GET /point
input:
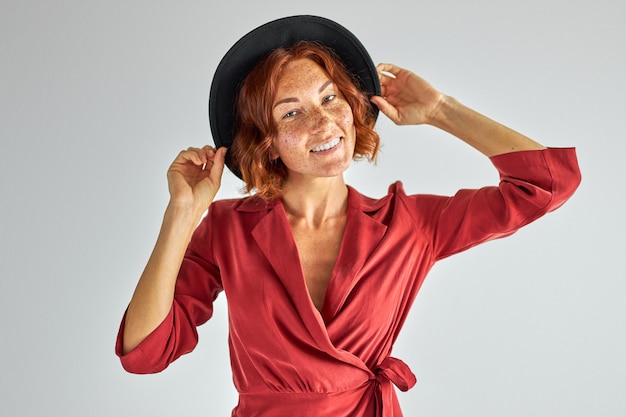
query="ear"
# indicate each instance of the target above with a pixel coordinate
(273, 154)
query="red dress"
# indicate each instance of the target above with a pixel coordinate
(290, 360)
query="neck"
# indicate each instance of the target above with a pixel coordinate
(315, 202)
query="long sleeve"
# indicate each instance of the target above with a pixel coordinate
(532, 183)
(197, 286)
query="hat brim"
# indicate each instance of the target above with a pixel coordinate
(254, 46)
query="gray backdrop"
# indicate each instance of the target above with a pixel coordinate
(96, 98)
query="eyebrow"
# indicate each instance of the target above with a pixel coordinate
(294, 100)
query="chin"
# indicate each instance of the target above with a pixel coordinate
(338, 170)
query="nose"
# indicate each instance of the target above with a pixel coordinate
(319, 119)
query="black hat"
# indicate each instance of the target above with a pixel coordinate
(249, 50)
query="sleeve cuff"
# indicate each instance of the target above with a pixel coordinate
(142, 359)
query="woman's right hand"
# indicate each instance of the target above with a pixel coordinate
(193, 180)
(195, 176)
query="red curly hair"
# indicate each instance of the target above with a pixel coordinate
(250, 151)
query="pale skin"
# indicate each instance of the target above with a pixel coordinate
(315, 194)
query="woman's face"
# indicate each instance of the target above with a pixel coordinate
(315, 127)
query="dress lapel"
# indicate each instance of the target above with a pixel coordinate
(361, 236)
(273, 235)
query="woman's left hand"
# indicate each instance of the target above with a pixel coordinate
(407, 99)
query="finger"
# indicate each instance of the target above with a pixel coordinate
(208, 153)
(194, 155)
(386, 81)
(387, 109)
(199, 156)
(217, 167)
(383, 90)
(209, 150)
(384, 75)
(387, 70)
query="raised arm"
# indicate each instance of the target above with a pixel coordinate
(193, 181)
(408, 99)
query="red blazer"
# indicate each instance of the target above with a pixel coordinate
(290, 360)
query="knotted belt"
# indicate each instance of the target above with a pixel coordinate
(391, 371)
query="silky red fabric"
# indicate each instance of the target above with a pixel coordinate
(290, 360)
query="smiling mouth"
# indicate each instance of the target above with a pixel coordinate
(327, 146)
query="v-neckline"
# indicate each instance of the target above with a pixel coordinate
(362, 234)
(298, 258)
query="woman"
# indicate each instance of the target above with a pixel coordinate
(319, 278)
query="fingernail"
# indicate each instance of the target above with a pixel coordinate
(388, 74)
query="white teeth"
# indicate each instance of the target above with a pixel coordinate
(327, 146)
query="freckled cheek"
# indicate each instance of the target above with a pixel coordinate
(343, 116)
(288, 133)
(286, 140)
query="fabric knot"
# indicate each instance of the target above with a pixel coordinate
(396, 371)
(391, 371)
